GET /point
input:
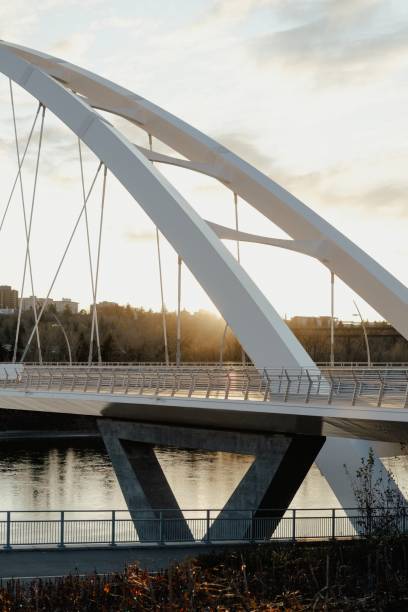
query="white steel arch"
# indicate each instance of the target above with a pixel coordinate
(267, 339)
(357, 269)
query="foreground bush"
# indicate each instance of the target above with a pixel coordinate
(338, 576)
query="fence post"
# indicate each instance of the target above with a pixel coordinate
(113, 535)
(252, 532)
(207, 537)
(62, 529)
(293, 525)
(161, 528)
(8, 531)
(333, 530)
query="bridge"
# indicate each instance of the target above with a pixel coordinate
(283, 410)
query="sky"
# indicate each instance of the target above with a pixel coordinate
(312, 92)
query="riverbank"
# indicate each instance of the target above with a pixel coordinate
(347, 576)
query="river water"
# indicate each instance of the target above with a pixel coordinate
(76, 474)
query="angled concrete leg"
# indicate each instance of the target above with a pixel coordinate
(280, 464)
(267, 488)
(145, 489)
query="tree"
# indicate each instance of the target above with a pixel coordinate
(381, 506)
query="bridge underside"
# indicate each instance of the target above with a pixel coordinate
(344, 421)
(280, 465)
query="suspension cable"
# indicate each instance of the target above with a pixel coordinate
(105, 172)
(178, 332)
(20, 167)
(224, 335)
(45, 303)
(34, 305)
(94, 323)
(243, 355)
(163, 306)
(28, 255)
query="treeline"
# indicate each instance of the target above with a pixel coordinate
(135, 334)
(126, 334)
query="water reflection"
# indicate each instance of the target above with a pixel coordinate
(77, 474)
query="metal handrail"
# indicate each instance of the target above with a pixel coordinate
(374, 386)
(62, 528)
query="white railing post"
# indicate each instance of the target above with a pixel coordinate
(294, 525)
(192, 385)
(248, 382)
(208, 535)
(381, 391)
(309, 387)
(288, 383)
(333, 524)
(209, 386)
(227, 385)
(267, 386)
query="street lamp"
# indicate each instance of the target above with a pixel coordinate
(60, 325)
(331, 318)
(365, 333)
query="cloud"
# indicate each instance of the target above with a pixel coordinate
(75, 47)
(345, 186)
(244, 146)
(336, 42)
(236, 9)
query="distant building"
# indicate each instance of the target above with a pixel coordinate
(8, 297)
(103, 305)
(64, 304)
(7, 311)
(60, 305)
(315, 322)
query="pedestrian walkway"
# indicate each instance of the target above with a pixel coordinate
(54, 562)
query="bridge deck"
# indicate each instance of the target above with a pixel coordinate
(356, 386)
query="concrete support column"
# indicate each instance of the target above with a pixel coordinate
(280, 464)
(145, 489)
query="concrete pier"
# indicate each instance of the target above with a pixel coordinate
(280, 464)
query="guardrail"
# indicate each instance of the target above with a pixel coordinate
(378, 387)
(211, 364)
(116, 527)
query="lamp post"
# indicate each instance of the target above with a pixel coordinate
(60, 325)
(331, 318)
(365, 334)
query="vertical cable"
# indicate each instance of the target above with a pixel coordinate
(224, 335)
(26, 228)
(163, 306)
(237, 225)
(45, 303)
(178, 332)
(94, 320)
(98, 258)
(243, 356)
(6, 208)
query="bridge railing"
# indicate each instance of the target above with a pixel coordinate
(375, 386)
(119, 527)
(212, 364)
